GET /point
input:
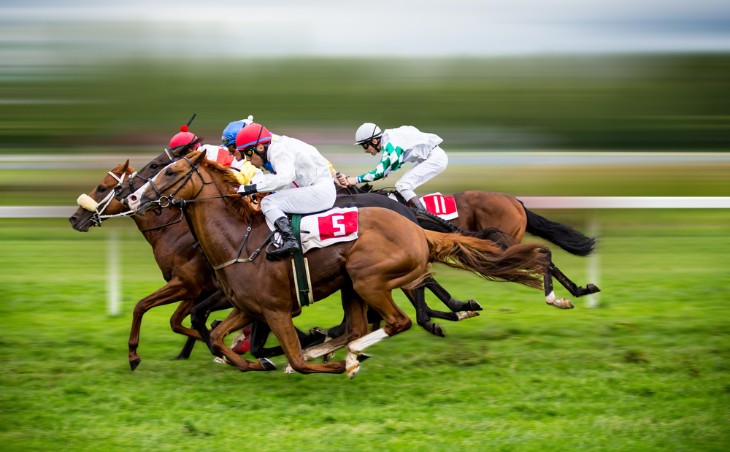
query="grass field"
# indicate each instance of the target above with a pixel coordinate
(645, 370)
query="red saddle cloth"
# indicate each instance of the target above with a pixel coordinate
(443, 206)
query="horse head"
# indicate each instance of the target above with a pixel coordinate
(150, 170)
(100, 203)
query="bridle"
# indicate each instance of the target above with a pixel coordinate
(167, 200)
(98, 216)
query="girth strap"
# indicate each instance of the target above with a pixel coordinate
(300, 266)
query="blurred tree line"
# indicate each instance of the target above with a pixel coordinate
(647, 102)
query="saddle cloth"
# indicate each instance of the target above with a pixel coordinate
(440, 205)
(326, 228)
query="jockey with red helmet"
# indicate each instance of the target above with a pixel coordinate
(185, 142)
(299, 175)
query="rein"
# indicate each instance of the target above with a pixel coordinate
(167, 201)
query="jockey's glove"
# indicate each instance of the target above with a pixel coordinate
(247, 189)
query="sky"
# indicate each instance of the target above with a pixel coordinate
(38, 29)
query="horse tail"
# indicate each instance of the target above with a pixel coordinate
(521, 263)
(562, 235)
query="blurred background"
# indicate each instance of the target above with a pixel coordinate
(92, 80)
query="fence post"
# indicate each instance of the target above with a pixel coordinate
(593, 265)
(112, 280)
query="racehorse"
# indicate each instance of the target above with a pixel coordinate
(457, 309)
(189, 279)
(504, 219)
(168, 235)
(390, 252)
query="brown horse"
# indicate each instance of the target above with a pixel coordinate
(457, 309)
(504, 219)
(182, 266)
(390, 252)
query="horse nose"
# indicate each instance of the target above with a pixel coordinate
(132, 201)
(73, 220)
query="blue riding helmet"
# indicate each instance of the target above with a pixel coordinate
(228, 137)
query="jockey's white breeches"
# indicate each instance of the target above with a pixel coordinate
(420, 173)
(314, 198)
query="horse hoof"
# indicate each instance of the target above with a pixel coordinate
(436, 330)
(561, 303)
(289, 369)
(351, 372)
(474, 305)
(180, 357)
(219, 360)
(592, 288)
(134, 363)
(362, 357)
(266, 364)
(466, 315)
(215, 324)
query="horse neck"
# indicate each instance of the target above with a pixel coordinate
(218, 226)
(162, 226)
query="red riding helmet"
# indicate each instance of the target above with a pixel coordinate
(184, 138)
(252, 135)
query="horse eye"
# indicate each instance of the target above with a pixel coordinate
(153, 166)
(101, 189)
(169, 172)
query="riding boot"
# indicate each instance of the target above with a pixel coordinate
(416, 203)
(289, 243)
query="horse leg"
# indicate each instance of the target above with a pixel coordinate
(201, 319)
(176, 319)
(452, 303)
(550, 298)
(235, 321)
(423, 316)
(283, 328)
(396, 321)
(199, 315)
(573, 288)
(169, 293)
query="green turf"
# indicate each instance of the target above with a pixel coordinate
(645, 370)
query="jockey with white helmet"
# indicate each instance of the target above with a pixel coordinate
(401, 145)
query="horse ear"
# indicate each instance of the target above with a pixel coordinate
(126, 165)
(198, 158)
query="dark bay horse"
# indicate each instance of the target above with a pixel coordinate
(390, 252)
(504, 219)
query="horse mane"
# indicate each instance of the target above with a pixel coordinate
(227, 183)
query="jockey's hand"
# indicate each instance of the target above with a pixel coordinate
(341, 180)
(351, 180)
(247, 189)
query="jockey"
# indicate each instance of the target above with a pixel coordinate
(401, 145)
(185, 141)
(298, 174)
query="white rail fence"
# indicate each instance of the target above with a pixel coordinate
(532, 202)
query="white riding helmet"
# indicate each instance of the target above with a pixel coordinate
(367, 132)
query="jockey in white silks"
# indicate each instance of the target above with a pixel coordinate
(299, 179)
(402, 145)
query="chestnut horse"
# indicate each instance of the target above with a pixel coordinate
(390, 252)
(189, 279)
(181, 264)
(457, 309)
(504, 219)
